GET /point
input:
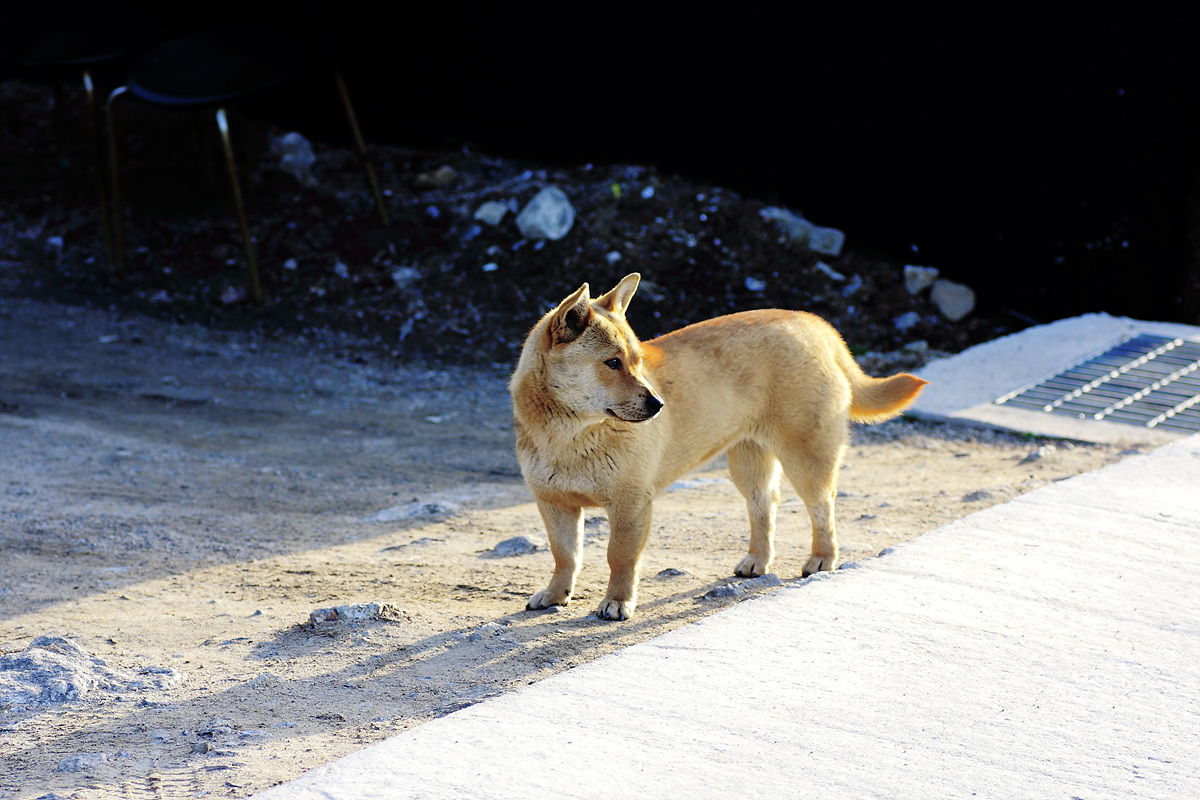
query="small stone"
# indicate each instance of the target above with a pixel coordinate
(975, 497)
(290, 264)
(491, 266)
(405, 277)
(202, 747)
(612, 257)
(669, 573)
(217, 726)
(296, 157)
(549, 215)
(55, 243)
(917, 279)
(491, 212)
(647, 192)
(832, 273)
(761, 582)
(341, 270)
(755, 285)
(954, 300)
(723, 592)
(516, 546)
(414, 510)
(361, 612)
(1039, 454)
(232, 294)
(442, 176)
(907, 320)
(81, 762)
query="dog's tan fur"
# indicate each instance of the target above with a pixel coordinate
(605, 420)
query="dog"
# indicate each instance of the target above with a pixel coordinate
(602, 419)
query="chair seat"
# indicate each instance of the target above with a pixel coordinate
(213, 66)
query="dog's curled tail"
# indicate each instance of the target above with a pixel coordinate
(878, 399)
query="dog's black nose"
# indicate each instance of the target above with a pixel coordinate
(653, 404)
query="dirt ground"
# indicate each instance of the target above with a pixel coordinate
(174, 497)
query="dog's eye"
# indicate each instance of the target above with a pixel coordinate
(613, 363)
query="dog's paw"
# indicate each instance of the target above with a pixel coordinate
(614, 610)
(752, 567)
(818, 564)
(547, 598)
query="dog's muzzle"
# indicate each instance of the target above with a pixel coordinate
(650, 407)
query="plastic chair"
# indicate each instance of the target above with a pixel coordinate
(213, 68)
(51, 41)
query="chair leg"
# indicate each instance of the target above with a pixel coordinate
(251, 263)
(114, 170)
(98, 152)
(363, 155)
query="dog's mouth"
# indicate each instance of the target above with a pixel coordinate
(615, 415)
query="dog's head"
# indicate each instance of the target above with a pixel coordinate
(589, 359)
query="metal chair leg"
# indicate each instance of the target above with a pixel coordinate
(251, 263)
(98, 152)
(361, 146)
(114, 170)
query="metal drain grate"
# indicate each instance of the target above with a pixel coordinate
(1150, 381)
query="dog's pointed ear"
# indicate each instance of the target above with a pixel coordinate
(572, 316)
(617, 300)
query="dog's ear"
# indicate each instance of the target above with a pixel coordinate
(572, 316)
(617, 300)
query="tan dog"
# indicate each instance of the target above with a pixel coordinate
(605, 420)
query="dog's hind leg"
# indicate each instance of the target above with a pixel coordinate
(813, 469)
(629, 528)
(755, 472)
(564, 527)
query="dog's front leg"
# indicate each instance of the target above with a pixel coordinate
(564, 527)
(629, 528)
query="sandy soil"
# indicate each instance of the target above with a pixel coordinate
(178, 498)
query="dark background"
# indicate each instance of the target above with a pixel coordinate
(1043, 153)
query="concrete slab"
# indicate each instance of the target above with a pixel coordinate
(1047, 647)
(963, 387)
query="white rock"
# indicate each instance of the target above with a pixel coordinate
(516, 546)
(954, 300)
(918, 278)
(81, 762)
(549, 215)
(826, 240)
(802, 233)
(830, 271)
(404, 277)
(360, 612)
(491, 212)
(295, 157)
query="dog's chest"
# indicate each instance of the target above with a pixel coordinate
(587, 468)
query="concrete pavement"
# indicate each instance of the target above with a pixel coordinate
(1044, 648)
